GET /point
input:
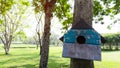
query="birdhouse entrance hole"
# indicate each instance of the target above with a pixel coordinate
(81, 39)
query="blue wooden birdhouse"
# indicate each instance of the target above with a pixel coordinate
(82, 42)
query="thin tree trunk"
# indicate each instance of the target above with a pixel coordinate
(39, 42)
(116, 48)
(83, 9)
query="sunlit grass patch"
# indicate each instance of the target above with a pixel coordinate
(110, 59)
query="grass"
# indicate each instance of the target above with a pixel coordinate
(28, 57)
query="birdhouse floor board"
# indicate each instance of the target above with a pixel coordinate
(82, 51)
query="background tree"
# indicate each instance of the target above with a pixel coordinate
(5, 6)
(11, 14)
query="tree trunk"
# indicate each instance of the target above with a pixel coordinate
(83, 9)
(116, 48)
(110, 46)
(7, 43)
(6, 49)
(81, 63)
(45, 43)
(48, 6)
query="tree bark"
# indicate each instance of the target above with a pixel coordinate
(83, 9)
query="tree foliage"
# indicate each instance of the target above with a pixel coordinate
(102, 8)
(108, 8)
(63, 10)
(5, 5)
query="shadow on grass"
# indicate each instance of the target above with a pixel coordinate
(18, 59)
(54, 62)
(25, 66)
(109, 50)
(23, 47)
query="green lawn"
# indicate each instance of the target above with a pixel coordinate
(28, 57)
